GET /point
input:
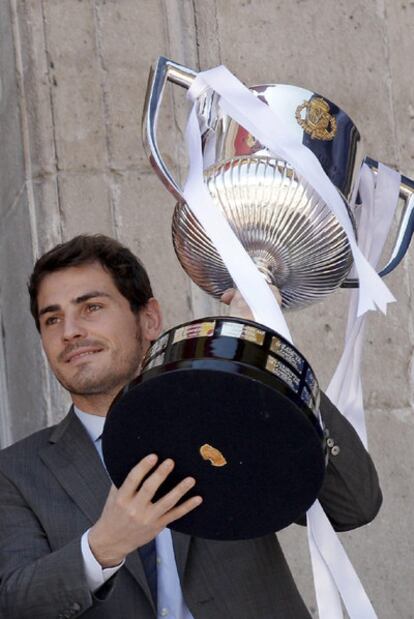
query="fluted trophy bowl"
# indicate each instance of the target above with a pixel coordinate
(284, 225)
(288, 231)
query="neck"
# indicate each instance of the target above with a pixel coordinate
(94, 404)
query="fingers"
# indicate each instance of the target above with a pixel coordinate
(228, 296)
(165, 509)
(134, 478)
(134, 487)
(168, 501)
(239, 307)
(181, 510)
(154, 481)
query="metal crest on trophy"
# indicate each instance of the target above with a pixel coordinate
(232, 401)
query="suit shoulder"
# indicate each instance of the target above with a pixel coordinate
(25, 447)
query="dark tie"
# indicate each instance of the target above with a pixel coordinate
(149, 561)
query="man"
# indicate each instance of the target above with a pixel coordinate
(70, 544)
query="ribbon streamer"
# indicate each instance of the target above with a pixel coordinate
(334, 571)
(379, 201)
(246, 276)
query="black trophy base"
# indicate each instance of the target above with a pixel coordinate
(267, 461)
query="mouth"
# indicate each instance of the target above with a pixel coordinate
(81, 355)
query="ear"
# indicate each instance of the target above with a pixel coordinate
(150, 319)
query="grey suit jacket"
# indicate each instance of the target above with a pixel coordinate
(53, 487)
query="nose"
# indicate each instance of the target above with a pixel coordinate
(73, 329)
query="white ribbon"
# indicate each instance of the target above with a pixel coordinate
(333, 571)
(246, 276)
(379, 200)
(265, 125)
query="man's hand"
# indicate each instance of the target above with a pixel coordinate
(129, 518)
(238, 306)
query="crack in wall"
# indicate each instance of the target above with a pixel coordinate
(50, 65)
(114, 190)
(218, 32)
(24, 126)
(207, 30)
(172, 15)
(196, 33)
(103, 83)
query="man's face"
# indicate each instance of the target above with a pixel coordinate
(92, 339)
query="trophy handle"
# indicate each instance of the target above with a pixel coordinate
(164, 70)
(405, 231)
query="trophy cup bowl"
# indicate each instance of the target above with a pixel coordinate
(291, 235)
(231, 401)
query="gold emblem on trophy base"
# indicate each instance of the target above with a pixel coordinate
(318, 122)
(214, 455)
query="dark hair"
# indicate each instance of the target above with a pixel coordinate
(127, 272)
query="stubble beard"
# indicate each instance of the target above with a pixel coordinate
(108, 381)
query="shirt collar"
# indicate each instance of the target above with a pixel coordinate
(93, 424)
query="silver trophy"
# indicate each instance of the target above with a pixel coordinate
(233, 402)
(291, 235)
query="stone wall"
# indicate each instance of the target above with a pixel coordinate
(73, 76)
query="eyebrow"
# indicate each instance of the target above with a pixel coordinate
(93, 294)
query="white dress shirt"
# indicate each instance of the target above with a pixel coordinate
(170, 600)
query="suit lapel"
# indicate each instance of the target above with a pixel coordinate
(181, 543)
(73, 460)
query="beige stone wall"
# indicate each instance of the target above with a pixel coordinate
(73, 76)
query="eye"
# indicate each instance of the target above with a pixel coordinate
(93, 307)
(51, 320)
